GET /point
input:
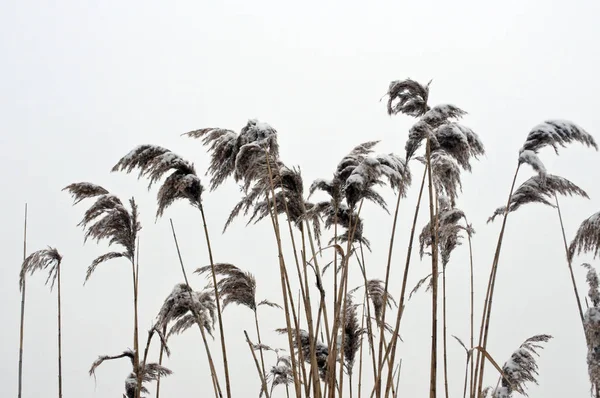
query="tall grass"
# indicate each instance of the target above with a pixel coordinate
(332, 340)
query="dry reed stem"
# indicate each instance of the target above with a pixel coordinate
(569, 262)
(214, 377)
(392, 348)
(283, 279)
(22, 326)
(485, 319)
(386, 282)
(260, 374)
(434, 272)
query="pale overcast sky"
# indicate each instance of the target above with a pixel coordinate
(85, 82)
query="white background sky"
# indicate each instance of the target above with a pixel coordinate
(84, 82)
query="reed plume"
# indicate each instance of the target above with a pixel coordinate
(108, 219)
(379, 297)
(229, 151)
(352, 335)
(554, 133)
(321, 349)
(183, 183)
(146, 372)
(408, 97)
(521, 368)
(587, 238)
(181, 308)
(591, 322)
(540, 189)
(41, 260)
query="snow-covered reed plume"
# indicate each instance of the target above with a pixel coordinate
(107, 219)
(40, 260)
(591, 323)
(281, 373)
(459, 141)
(554, 133)
(358, 173)
(235, 286)
(540, 189)
(181, 309)
(154, 162)
(587, 238)
(149, 372)
(521, 368)
(408, 97)
(230, 155)
(321, 349)
(376, 293)
(352, 334)
(289, 197)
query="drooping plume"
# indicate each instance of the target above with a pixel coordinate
(321, 349)
(556, 133)
(540, 190)
(408, 97)
(235, 286)
(591, 323)
(154, 162)
(587, 238)
(376, 293)
(352, 334)
(149, 372)
(182, 306)
(521, 368)
(41, 260)
(230, 155)
(107, 219)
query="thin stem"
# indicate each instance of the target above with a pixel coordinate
(485, 319)
(22, 328)
(385, 292)
(569, 262)
(136, 357)
(392, 346)
(262, 360)
(360, 360)
(445, 334)
(261, 375)
(213, 372)
(59, 336)
(472, 306)
(160, 359)
(283, 278)
(217, 301)
(434, 272)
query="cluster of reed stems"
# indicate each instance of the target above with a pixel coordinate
(328, 325)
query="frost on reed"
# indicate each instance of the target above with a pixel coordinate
(181, 309)
(408, 97)
(354, 180)
(107, 219)
(149, 372)
(521, 368)
(540, 189)
(235, 286)
(377, 295)
(41, 260)
(288, 188)
(448, 231)
(232, 154)
(154, 162)
(587, 238)
(554, 133)
(352, 334)
(321, 349)
(591, 323)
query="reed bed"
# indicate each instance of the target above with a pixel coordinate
(340, 339)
